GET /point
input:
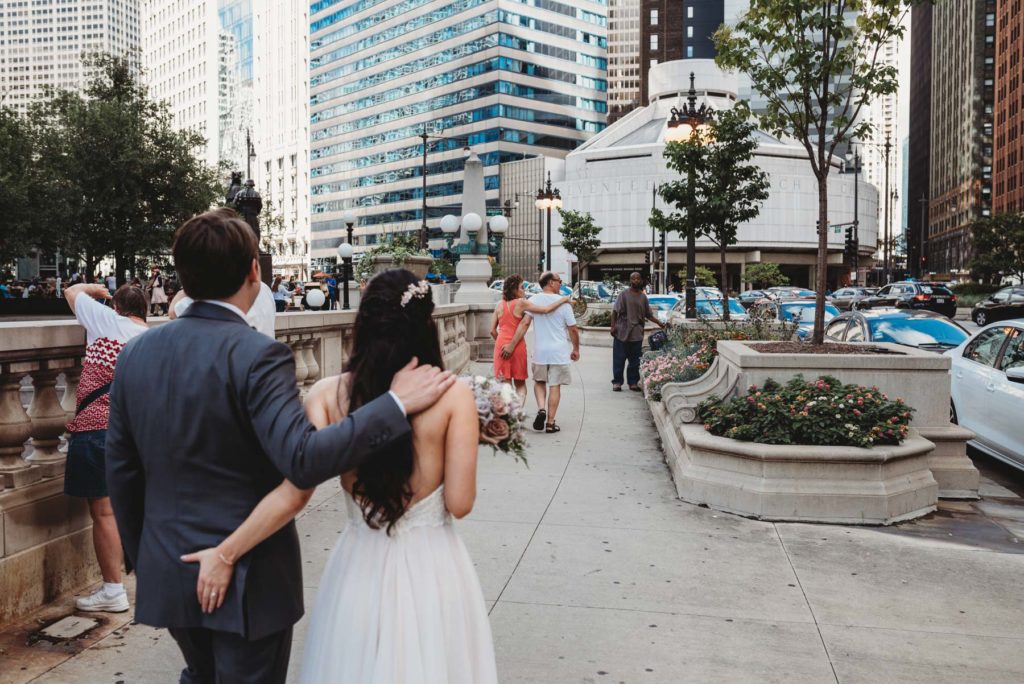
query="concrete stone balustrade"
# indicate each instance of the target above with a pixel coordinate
(45, 537)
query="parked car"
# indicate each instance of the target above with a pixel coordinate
(912, 295)
(751, 297)
(781, 293)
(921, 329)
(844, 298)
(987, 389)
(709, 308)
(1001, 305)
(799, 311)
(663, 304)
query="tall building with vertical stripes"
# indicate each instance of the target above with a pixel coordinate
(509, 78)
(42, 43)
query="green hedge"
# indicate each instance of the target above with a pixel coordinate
(975, 289)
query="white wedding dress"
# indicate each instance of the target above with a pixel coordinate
(400, 609)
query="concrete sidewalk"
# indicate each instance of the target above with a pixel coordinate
(595, 572)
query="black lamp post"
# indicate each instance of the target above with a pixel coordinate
(345, 251)
(690, 124)
(548, 197)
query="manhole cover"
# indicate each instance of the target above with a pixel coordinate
(70, 627)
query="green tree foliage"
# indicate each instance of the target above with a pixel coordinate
(720, 188)
(580, 237)
(816, 63)
(703, 276)
(764, 274)
(16, 176)
(126, 178)
(998, 246)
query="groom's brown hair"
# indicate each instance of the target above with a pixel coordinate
(213, 253)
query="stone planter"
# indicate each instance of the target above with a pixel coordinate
(591, 336)
(419, 265)
(842, 485)
(918, 377)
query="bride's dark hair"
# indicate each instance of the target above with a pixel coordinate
(394, 324)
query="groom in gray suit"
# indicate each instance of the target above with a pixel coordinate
(205, 419)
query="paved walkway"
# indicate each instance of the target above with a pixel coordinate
(595, 572)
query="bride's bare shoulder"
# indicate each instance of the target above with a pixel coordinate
(323, 401)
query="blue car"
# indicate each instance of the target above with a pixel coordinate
(921, 329)
(801, 312)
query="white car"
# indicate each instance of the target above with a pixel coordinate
(987, 389)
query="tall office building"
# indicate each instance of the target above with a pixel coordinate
(675, 29)
(1008, 161)
(623, 58)
(42, 42)
(281, 129)
(197, 57)
(963, 96)
(508, 78)
(919, 161)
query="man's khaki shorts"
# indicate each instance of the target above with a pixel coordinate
(553, 374)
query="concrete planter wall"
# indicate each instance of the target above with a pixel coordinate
(843, 485)
(919, 378)
(420, 265)
(591, 336)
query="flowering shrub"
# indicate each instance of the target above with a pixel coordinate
(822, 412)
(659, 368)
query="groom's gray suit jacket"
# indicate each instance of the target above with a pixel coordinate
(205, 418)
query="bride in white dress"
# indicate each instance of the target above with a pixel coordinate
(399, 600)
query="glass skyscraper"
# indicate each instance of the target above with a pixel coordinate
(509, 78)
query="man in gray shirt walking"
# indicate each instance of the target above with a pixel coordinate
(628, 316)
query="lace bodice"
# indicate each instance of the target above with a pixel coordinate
(427, 512)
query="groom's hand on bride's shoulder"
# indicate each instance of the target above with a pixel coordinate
(419, 387)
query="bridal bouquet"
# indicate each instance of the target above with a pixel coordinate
(502, 419)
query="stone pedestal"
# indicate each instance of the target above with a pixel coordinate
(474, 272)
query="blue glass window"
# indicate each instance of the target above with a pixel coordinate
(400, 195)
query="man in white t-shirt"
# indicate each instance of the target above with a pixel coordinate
(552, 354)
(111, 284)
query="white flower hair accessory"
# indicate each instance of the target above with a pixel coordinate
(415, 291)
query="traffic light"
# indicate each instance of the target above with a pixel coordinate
(647, 258)
(662, 240)
(850, 246)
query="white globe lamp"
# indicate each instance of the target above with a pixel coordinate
(315, 298)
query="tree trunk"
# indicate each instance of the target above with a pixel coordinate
(822, 281)
(725, 286)
(119, 268)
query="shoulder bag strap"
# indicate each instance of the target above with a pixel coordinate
(92, 396)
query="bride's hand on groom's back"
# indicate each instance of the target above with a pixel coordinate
(419, 387)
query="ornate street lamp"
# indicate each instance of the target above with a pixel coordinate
(690, 123)
(548, 198)
(451, 226)
(345, 251)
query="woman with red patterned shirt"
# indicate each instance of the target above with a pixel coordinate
(107, 331)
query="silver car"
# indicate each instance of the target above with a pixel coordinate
(987, 389)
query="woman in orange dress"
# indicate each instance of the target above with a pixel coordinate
(508, 314)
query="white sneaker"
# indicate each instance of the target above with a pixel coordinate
(101, 601)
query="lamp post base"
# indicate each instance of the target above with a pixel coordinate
(474, 273)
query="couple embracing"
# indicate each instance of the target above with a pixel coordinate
(207, 472)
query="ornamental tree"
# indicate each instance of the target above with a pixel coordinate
(580, 237)
(998, 246)
(817, 64)
(720, 188)
(764, 274)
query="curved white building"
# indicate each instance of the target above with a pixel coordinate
(613, 176)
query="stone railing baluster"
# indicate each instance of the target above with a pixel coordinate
(309, 356)
(301, 370)
(71, 378)
(48, 418)
(15, 427)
